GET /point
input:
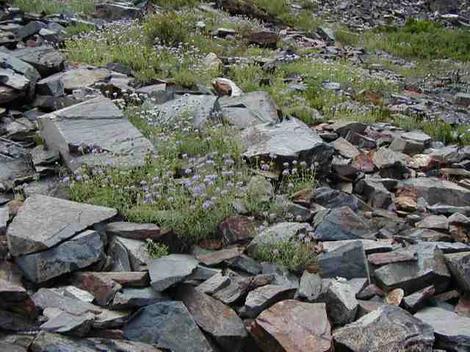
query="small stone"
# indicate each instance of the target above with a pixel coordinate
(395, 297)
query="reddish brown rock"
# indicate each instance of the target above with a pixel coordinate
(463, 307)
(395, 296)
(392, 257)
(128, 278)
(237, 229)
(133, 230)
(101, 287)
(218, 257)
(264, 38)
(293, 326)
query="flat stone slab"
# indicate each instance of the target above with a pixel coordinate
(94, 133)
(42, 222)
(171, 269)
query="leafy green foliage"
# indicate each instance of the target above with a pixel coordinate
(55, 6)
(156, 250)
(293, 255)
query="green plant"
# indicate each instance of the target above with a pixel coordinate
(170, 28)
(293, 255)
(156, 250)
(55, 6)
(175, 4)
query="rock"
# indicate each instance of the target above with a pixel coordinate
(117, 11)
(129, 298)
(127, 279)
(225, 86)
(332, 198)
(417, 300)
(214, 284)
(217, 257)
(436, 222)
(4, 217)
(267, 39)
(341, 302)
(237, 229)
(248, 109)
(386, 329)
(212, 62)
(370, 246)
(395, 297)
(412, 276)
(49, 342)
(45, 59)
(78, 252)
(102, 288)
(436, 191)
(399, 255)
(459, 266)
(214, 318)
(310, 287)
(263, 297)
(167, 325)
(405, 146)
(345, 128)
(451, 330)
(346, 149)
(171, 269)
(462, 99)
(43, 222)
(293, 326)
(129, 254)
(65, 323)
(78, 78)
(199, 107)
(340, 224)
(245, 263)
(133, 230)
(73, 132)
(287, 140)
(280, 275)
(348, 261)
(50, 86)
(375, 192)
(279, 233)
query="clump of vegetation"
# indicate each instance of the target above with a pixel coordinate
(293, 255)
(419, 39)
(169, 28)
(156, 250)
(56, 6)
(175, 4)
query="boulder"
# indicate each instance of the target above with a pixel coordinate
(171, 269)
(459, 265)
(341, 303)
(73, 132)
(341, 224)
(167, 325)
(348, 261)
(286, 141)
(45, 59)
(386, 329)
(76, 253)
(293, 326)
(263, 297)
(248, 109)
(43, 222)
(129, 254)
(451, 330)
(214, 318)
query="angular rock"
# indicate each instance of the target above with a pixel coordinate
(370, 246)
(436, 222)
(116, 11)
(332, 198)
(217, 257)
(345, 148)
(129, 298)
(73, 132)
(459, 266)
(167, 325)
(417, 300)
(375, 192)
(287, 140)
(127, 279)
(102, 288)
(4, 217)
(399, 255)
(45, 59)
(386, 329)
(171, 269)
(348, 261)
(341, 302)
(310, 287)
(412, 276)
(263, 297)
(452, 331)
(293, 326)
(237, 229)
(214, 318)
(133, 230)
(129, 254)
(340, 224)
(43, 222)
(77, 253)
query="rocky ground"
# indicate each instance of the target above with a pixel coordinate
(234, 176)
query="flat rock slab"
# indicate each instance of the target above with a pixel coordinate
(215, 318)
(77, 253)
(94, 133)
(42, 222)
(386, 329)
(287, 140)
(167, 325)
(263, 297)
(133, 230)
(452, 331)
(248, 109)
(171, 269)
(45, 59)
(293, 326)
(459, 265)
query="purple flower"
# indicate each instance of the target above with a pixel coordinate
(207, 204)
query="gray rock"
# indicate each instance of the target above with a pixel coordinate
(43, 222)
(340, 224)
(279, 233)
(171, 269)
(417, 300)
(9, 61)
(129, 254)
(45, 59)
(129, 298)
(280, 275)
(375, 192)
(459, 265)
(50, 86)
(133, 230)
(287, 140)
(214, 284)
(341, 303)
(214, 318)
(332, 198)
(245, 263)
(77, 253)
(4, 217)
(348, 261)
(346, 149)
(436, 191)
(65, 323)
(386, 329)
(370, 246)
(310, 287)
(452, 331)
(248, 109)
(79, 78)
(167, 325)
(263, 297)
(116, 11)
(462, 99)
(429, 269)
(436, 222)
(73, 132)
